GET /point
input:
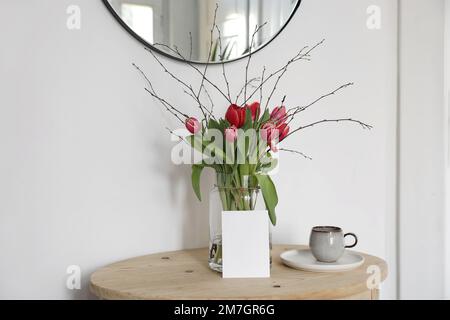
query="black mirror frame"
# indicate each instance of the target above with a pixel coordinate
(148, 45)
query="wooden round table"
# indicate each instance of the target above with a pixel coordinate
(185, 275)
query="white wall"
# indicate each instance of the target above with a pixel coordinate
(446, 138)
(422, 152)
(85, 166)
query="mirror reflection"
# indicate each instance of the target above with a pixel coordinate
(186, 25)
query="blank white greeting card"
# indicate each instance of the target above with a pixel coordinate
(245, 244)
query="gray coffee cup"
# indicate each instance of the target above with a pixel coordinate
(327, 243)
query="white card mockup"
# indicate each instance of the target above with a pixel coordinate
(245, 244)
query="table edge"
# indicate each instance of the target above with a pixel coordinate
(111, 294)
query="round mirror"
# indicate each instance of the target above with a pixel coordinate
(182, 28)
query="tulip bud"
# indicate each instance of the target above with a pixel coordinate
(231, 134)
(192, 125)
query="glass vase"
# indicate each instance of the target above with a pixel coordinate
(230, 193)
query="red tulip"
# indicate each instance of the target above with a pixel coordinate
(192, 125)
(235, 115)
(278, 114)
(254, 109)
(231, 134)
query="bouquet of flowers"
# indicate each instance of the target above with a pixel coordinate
(240, 145)
(239, 148)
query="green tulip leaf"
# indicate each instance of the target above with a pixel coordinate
(248, 120)
(206, 147)
(195, 177)
(269, 166)
(213, 124)
(265, 117)
(196, 142)
(269, 194)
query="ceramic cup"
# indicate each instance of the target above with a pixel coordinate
(327, 243)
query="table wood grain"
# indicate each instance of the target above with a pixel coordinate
(185, 275)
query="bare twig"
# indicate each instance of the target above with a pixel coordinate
(293, 111)
(221, 55)
(296, 152)
(284, 71)
(248, 84)
(189, 63)
(250, 51)
(179, 80)
(178, 136)
(297, 57)
(205, 108)
(209, 53)
(169, 107)
(362, 124)
(261, 88)
(210, 101)
(183, 83)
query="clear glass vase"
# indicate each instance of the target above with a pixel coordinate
(231, 193)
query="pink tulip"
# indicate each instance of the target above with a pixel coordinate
(273, 134)
(283, 131)
(267, 131)
(231, 134)
(192, 125)
(278, 114)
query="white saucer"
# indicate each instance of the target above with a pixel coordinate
(304, 260)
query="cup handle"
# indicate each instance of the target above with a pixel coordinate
(354, 237)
